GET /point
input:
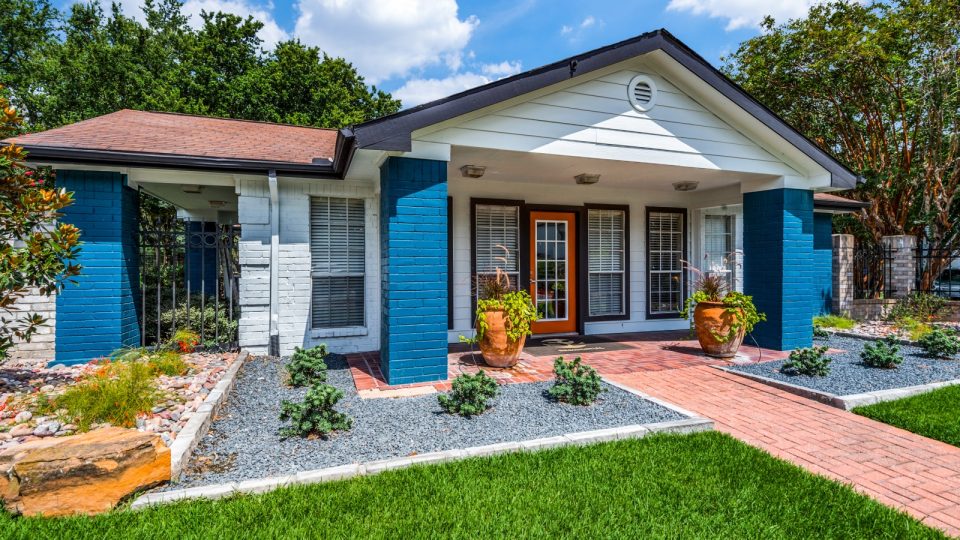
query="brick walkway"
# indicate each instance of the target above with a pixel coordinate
(641, 351)
(895, 467)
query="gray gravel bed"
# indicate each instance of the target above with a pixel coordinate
(849, 376)
(243, 442)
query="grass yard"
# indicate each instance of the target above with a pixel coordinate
(933, 414)
(706, 485)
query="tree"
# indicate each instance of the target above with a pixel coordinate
(36, 254)
(878, 85)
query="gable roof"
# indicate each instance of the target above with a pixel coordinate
(393, 133)
(836, 203)
(129, 137)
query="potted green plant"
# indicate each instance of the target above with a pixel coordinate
(503, 320)
(721, 318)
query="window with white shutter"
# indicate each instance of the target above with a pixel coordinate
(497, 230)
(337, 251)
(666, 240)
(606, 262)
(718, 247)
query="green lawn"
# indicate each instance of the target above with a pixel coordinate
(933, 414)
(705, 486)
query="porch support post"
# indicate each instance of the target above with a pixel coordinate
(904, 265)
(778, 265)
(823, 262)
(413, 251)
(99, 314)
(843, 274)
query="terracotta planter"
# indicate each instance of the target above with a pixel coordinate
(710, 318)
(497, 349)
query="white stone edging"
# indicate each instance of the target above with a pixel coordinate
(847, 402)
(188, 438)
(340, 472)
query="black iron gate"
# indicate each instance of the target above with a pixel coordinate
(189, 280)
(872, 272)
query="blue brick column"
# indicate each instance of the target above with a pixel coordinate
(99, 314)
(823, 262)
(413, 252)
(778, 265)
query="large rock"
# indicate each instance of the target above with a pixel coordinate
(81, 474)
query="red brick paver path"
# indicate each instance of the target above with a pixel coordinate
(896, 467)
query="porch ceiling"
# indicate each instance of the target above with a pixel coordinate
(205, 201)
(526, 167)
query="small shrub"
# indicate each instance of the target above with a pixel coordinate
(810, 361)
(834, 321)
(315, 415)
(470, 395)
(923, 307)
(116, 393)
(185, 340)
(307, 366)
(940, 343)
(820, 333)
(168, 363)
(576, 383)
(882, 354)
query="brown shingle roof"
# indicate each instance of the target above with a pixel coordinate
(186, 135)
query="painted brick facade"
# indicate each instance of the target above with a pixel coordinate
(99, 314)
(413, 252)
(779, 270)
(823, 262)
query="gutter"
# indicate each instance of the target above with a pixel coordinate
(274, 346)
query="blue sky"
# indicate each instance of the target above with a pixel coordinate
(426, 49)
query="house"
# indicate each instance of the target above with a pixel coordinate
(589, 181)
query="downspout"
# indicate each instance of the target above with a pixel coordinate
(274, 348)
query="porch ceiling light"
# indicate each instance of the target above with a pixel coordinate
(587, 178)
(688, 185)
(218, 204)
(472, 171)
(191, 188)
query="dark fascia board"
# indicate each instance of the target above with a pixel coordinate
(333, 170)
(838, 206)
(393, 133)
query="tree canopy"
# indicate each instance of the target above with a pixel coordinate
(878, 85)
(60, 68)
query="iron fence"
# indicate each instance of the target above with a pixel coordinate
(189, 279)
(936, 273)
(873, 272)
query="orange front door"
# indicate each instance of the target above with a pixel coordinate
(553, 271)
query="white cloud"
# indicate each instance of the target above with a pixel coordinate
(745, 13)
(574, 33)
(564, 30)
(417, 91)
(387, 38)
(588, 22)
(271, 33)
(503, 69)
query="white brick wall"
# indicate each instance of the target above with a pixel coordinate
(41, 348)
(294, 272)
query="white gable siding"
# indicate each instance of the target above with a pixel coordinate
(595, 119)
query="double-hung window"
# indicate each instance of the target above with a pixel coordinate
(718, 247)
(497, 242)
(338, 262)
(606, 262)
(666, 239)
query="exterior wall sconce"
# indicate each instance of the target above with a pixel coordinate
(587, 178)
(472, 171)
(688, 185)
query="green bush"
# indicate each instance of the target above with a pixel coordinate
(923, 307)
(834, 321)
(213, 319)
(820, 333)
(810, 361)
(882, 354)
(315, 415)
(116, 393)
(576, 383)
(307, 366)
(940, 343)
(470, 395)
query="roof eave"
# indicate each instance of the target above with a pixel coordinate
(200, 163)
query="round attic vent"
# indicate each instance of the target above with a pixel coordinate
(642, 93)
